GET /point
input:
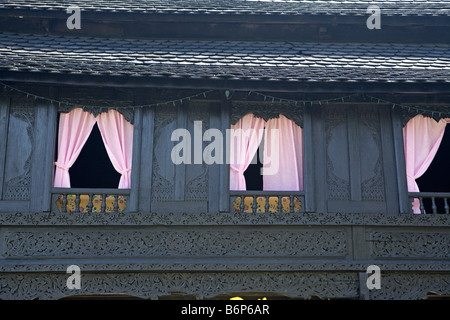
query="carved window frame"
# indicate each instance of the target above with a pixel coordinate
(267, 111)
(129, 116)
(437, 114)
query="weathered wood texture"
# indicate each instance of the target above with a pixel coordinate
(208, 254)
(179, 230)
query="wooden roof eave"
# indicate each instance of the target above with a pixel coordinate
(267, 85)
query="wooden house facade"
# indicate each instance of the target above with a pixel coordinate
(181, 229)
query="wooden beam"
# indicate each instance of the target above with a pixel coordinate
(223, 84)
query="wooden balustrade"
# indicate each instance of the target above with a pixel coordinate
(431, 202)
(89, 200)
(267, 201)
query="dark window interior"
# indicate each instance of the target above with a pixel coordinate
(253, 177)
(437, 176)
(93, 169)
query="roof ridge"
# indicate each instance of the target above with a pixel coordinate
(223, 7)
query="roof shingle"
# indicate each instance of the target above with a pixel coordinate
(241, 7)
(283, 61)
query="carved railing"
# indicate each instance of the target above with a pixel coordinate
(89, 200)
(267, 201)
(431, 202)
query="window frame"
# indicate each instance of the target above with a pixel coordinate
(129, 194)
(301, 115)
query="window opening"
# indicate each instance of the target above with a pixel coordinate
(253, 176)
(437, 176)
(93, 168)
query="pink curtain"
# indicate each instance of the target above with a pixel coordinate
(283, 155)
(422, 137)
(117, 135)
(74, 130)
(245, 137)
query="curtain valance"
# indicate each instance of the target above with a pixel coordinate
(266, 111)
(127, 113)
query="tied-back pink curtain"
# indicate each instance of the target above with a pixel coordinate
(117, 135)
(422, 137)
(245, 137)
(74, 130)
(283, 155)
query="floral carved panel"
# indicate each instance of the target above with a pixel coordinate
(372, 184)
(156, 242)
(152, 285)
(410, 244)
(338, 181)
(19, 153)
(163, 176)
(410, 285)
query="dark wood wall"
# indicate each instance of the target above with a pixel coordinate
(359, 164)
(353, 162)
(26, 152)
(184, 187)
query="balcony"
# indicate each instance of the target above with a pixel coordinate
(267, 201)
(89, 200)
(68, 200)
(431, 202)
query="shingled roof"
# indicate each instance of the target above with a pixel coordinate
(38, 57)
(280, 61)
(239, 7)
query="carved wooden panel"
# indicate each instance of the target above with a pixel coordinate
(311, 242)
(338, 171)
(354, 159)
(409, 244)
(372, 182)
(163, 177)
(185, 181)
(102, 106)
(19, 152)
(197, 174)
(152, 285)
(410, 285)
(267, 111)
(291, 254)
(133, 219)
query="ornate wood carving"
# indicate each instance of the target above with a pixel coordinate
(18, 188)
(197, 187)
(222, 219)
(338, 187)
(177, 243)
(152, 285)
(372, 189)
(436, 112)
(411, 285)
(413, 244)
(200, 284)
(162, 187)
(266, 111)
(103, 106)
